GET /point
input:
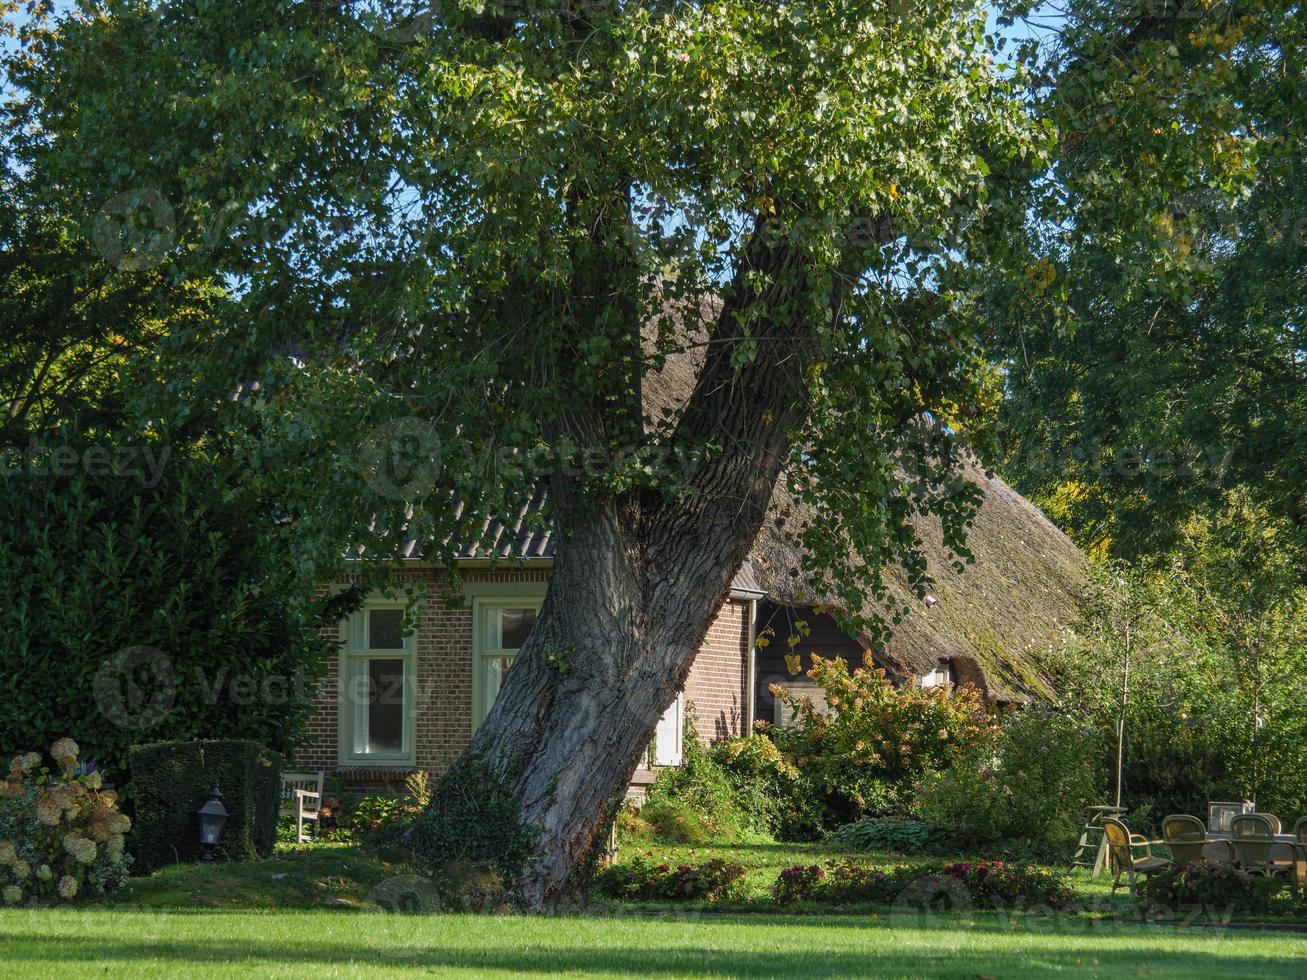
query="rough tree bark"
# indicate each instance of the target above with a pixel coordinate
(637, 580)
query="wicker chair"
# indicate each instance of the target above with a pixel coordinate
(1253, 836)
(1186, 837)
(1123, 845)
(1299, 848)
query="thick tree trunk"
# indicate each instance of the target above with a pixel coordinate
(583, 699)
(638, 579)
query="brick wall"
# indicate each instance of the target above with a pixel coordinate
(717, 683)
(719, 680)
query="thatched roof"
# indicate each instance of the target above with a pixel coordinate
(1024, 584)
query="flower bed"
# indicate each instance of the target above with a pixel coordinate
(1209, 886)
(710, 881)
(987, 884)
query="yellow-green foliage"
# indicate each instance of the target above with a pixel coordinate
(865, 753)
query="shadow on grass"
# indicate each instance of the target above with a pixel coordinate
(701, 947)
(662, 961)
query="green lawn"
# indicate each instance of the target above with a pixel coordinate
(308, 913)
(59, 942)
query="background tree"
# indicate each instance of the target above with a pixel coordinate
(482, 231)
(1152, 334)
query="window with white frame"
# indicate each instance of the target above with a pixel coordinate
(502, 628)
(378, 684)
(941, 676)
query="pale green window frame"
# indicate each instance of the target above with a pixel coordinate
(488, 600)
(356, 653)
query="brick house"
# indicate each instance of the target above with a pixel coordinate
(401, 700)
(393, 704)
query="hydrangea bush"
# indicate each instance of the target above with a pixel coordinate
(61, 834)
(862, 754)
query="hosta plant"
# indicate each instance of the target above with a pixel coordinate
(61, 834)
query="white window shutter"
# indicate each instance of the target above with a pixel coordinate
(667, 737)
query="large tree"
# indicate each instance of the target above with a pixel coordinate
(462, 246)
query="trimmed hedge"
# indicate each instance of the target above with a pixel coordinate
(172, 780)
(143, 613)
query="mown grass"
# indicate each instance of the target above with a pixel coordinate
(316, 876)
(306, 912)
(207, 942)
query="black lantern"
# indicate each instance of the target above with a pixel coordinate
(213, 817)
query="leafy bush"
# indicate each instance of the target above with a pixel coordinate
(1217, 638)
(711, 881)
(899, 835)
(680, 821)
(373, 813)
(797, 883)
(1032, 782)
(1000, 885)
(740, 791)
(1215, 888)
(165, 614)
(173, 779)
(61, 835)
(864, 756)
(768, 786)
(850, 880)
(382, 816)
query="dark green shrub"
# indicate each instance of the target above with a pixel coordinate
(985, 884)
(849, 880)
(997, 884)
(138, 611)
(712, 881)
(768, 786)
(702, 801)
(173, 779)
(899, 835)
(739, 791)
(472, 821)
(1033, 783)
(380, 818)
(674, 820)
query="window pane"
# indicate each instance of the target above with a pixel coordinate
(379, 718)
(514, 627)
(495, 670)
(386, 629)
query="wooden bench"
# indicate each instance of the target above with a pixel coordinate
(301, 798)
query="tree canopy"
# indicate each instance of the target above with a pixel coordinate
(455, 228)
(1154, 347)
